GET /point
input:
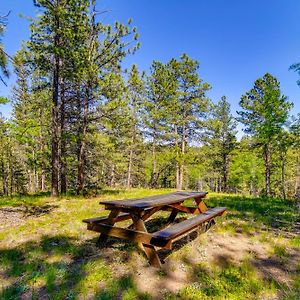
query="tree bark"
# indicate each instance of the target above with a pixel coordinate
(63, 161)
(129, 168)
(177, 174)
(4, 179)
(55, 120)
(181, 172)
(82, 146)
(154, 165)
(225, 173)
(112, 177)
(267, 160)
(282, 159)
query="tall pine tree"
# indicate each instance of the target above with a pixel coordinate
(265, 111)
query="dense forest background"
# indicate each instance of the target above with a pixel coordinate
(81, 122)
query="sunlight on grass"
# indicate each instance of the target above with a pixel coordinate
(232, 282)
(95, 273)
(295, 242)
(51, 253)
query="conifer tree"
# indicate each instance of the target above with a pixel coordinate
(189, 108)
(31, 112)
(74, 60)
(135, 96)
(161, 87)
(265, 111)
(220, 136)
(3, 56)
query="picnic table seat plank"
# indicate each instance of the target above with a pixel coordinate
(153, 201)
(180, 228)
(120, 217)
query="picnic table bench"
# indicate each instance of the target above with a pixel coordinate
(139, 210)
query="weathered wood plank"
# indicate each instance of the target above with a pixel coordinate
(123, 233)
(186, 209)
(153, 201)
(179, 229)
(122, 216)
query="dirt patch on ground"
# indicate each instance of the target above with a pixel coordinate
(10, 217)
(212, 248)
(16, 216)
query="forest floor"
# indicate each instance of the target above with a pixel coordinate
(47, 253)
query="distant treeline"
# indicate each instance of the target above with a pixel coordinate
(80, 122)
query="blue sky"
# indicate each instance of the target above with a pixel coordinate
(235, 41)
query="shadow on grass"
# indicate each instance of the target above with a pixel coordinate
(122, 288)
(60, 268)
(51, 268)
(271, 212)
(29, 210)
(230, 280)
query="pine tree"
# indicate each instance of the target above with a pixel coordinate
(135, 94)
(265, 111)
(74, 60)
(189, 108)
(221, 137)
(31, 111)
(161, 87)
(247, 168)
(3, 56)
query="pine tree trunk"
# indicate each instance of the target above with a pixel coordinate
(128, 185)
(82, 146)
(177, 174)
(55, 123)
(43, 180)
(282, 158)
(4, 179)
(181, 172)
(12, 181)
(63, 163)
(267, 160)
(154, 167)
(43, 171)
(112, 177)
(225, 173)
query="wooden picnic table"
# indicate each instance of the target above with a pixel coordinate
(139, 210)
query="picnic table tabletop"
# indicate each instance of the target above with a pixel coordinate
(153, 201)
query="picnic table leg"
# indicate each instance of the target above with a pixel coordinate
(111, 221)
(201, 205)
(148, 249)
(202, 208)
(146, 216)
(172, 216)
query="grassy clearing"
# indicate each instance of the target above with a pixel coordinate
(236, 282)
(48, 253)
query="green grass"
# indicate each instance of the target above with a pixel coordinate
(23, 200)
(265, 212)
(295, 242)
(51, 255)
(230, 282)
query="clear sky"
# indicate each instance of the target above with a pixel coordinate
(235, 41)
